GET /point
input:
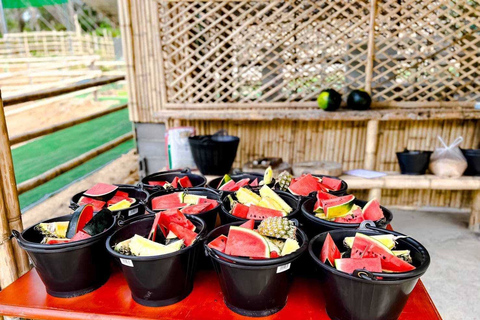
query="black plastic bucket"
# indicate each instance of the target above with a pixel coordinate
(237, 177)
(254, 288)
(158, 280)
(473, 161)
(68, 269)
(137, 209)
(196, 179)
(293, 201)
(210, 216)
(350, 297)
(341, 192)
(313, 225)
(413, 162)
(214, 154)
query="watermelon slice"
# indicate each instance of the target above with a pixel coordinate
(97, 204)
(368, 247)
(157, 183)
(240, 210)
(175, 216)
(254, 183)
(99, 223)
(117, 199)
(185, 182)
(372, 211)
(332, 183)
(260, 213)
(56, 241)
(246, 243)
(355, 216)
(174, 183)
(305, 185)
(156, 224)
(213, 203)
(250, 224)
(337, 207)
(228, 186)
(196, 208)
(168, 201)
(241, 183)
(79, 220)
(122, 194)
(80, 236)
(322, 195)
(218, 243)
(100, 189)
(187, 235)
(348, 265)
(329, 251)
(226, 178)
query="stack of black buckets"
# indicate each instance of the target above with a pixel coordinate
(250, 287)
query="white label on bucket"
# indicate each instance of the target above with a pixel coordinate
(132, 212)
(283, 268)
(126, 262)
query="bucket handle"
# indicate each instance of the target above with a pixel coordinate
(15, 234)
(364, 274)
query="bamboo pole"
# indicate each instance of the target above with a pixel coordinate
(371, 47)
(67, 124)
(9, 191)
(371, 145)
(69, 165)
(474, 223)
(8, 268)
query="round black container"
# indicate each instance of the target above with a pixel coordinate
(210, 216)
(137, 209)
(413, 162)
(161, 280)
(291, 200)
(473, 160)
(214, 155)
(254, 288)
(68, 269)
(195, 179)
(313, 225)
(237, 177)
(350, 297)
(341, 192)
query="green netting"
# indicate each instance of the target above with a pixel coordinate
(16, 4)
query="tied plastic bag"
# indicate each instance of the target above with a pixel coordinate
(448, 161)
(178, 148)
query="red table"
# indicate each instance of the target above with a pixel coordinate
(27, 298)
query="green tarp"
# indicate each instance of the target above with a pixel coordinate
(16, 4)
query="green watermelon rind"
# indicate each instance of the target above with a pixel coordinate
(254, 234)
(340, 210)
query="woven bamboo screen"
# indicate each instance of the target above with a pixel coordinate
(225, 54)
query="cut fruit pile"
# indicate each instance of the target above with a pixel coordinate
(371, 253)
(83, 225)
(306, 184)
(250, 205)
(227, 183)
(95, 195)
(176, 232)
(274, 237)
(342, 210)
(177, 182)
(187, 203)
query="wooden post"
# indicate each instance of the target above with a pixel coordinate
(375, 193)
(371, 144)
(9, 190)
(371, 47)
(474, 224)
(8, 268)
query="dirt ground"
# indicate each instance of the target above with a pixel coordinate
(122, 170)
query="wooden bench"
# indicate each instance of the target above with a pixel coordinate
(424, 182)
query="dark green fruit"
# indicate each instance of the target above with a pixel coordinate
(101, 221)
(329, 100)
(359, 100)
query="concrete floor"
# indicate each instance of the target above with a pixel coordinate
(453, 278)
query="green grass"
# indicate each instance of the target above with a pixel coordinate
(50, 151)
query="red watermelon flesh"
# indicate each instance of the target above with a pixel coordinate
(167, 201)
(121, 194)
(175, 216)
(332, 183)
(336, 201)
(305, 185)
(80, 235)
(187, 235)
(348, 265)
(117, 199)
(329, 251)
(218, 243)
(157, 183)
(57, 241)
(229, 186)
(274, 254)
(322, 195)
(254, 183)
(372, 211)
(185, 182)
(196, 208)
(356, 216)
(246, 243)
(100, 189)
(241, 183)
(240, 210)
(97, 204)
(153, 231)
(250, 224)
(212, 203)
(175, 182)
(368, 247)
(260, 213)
